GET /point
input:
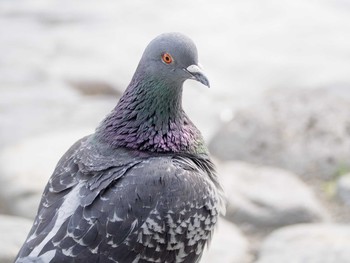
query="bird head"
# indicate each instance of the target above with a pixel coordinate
(174, 58)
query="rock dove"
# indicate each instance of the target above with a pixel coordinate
(142, 188)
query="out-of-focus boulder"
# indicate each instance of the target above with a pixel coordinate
(263, 198)
(307, 243)
(306, 131)
(228, 245)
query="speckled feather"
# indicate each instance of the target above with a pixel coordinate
(154, 208)
(140, 189)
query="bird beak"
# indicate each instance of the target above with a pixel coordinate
(197, 74)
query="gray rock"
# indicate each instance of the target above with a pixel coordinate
(94, 87)
(26, 167)
(307, 243)
(343, 189)
(305, 131)
(228, 245)
(264, 198)
(13, 231)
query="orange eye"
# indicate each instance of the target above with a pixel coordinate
(167, 58)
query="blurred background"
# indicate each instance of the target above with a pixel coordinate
(276, 118)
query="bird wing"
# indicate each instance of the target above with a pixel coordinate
(133, 210)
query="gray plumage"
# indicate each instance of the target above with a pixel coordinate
(140, 189)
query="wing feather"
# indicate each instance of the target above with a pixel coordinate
(135, 209)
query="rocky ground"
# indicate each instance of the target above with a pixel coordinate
(276, 119)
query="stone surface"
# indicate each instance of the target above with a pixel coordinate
(343, 189)
(263, 198)
(307, 243)
(228, 245)
(306, 131)
(26, 167)
(13, 231)
(95, 88)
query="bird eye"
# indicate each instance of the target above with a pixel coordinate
(167, 58)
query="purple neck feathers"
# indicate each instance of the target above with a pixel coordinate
(149, 117)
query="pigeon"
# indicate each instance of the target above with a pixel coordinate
(141, 188)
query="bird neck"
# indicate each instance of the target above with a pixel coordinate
(149, 117)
